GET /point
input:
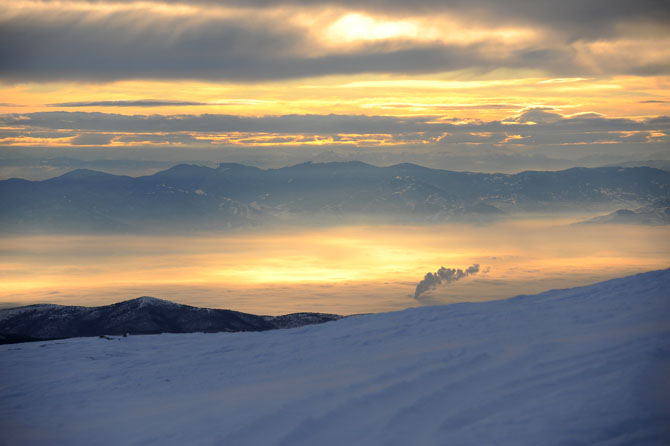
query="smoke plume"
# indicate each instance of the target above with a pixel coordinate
(443, 275)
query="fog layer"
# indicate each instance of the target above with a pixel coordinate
(341, 270)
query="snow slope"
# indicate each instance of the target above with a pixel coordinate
(587, 365)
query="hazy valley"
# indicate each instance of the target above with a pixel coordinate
(189, 198)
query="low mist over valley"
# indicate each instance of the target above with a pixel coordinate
(189, 198)
(339, 238)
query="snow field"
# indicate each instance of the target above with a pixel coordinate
(587, 365)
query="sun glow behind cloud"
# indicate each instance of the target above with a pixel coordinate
(497, 63)
(358, 27)
(354, 26)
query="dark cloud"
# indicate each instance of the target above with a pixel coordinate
(43, 49)
(91, 139)
(583, 14)
(126, 44)
(651, 69)
(156, 139)
(659, 121)
(77, 45)
(37, 133)
(549, 127)
(554, 141)
(217, 123)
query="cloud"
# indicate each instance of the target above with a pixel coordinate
(533, 138)
(153, 103)
(564, 80)
(91, 139)
(76, 44)
(441, 277)
(133, 103)
(175, 138)
(46, 51)
(217, 123)
(450, 107)
(582, 13)
(541, 115)
(531, 127)
(105, 41)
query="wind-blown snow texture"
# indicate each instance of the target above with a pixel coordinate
(586, 365)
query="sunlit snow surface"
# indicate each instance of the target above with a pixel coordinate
(580, 366)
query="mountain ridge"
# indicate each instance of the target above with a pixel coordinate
(142, 315)
(189, 197)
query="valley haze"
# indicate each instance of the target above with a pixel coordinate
(186, 197)
(341, 238)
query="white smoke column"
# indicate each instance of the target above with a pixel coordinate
(443, 275)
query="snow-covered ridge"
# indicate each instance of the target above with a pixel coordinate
(143, 315)
(145, 301)
(6, 313)
(578, 366)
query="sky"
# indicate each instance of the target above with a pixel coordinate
(475, 85)
(133, 87)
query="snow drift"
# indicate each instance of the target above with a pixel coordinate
(587, 365)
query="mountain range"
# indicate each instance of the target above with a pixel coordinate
(655, 214)
(144, 315)
(188, 197)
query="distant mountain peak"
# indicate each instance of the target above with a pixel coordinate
(327, 164)
(236, 166)
(186, 168)
(78, 172)
(84, 174)
(148, 300)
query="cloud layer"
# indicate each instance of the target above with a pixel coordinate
(86, 40)
(130, 103)
(532, 138)
(531, 127)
